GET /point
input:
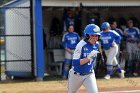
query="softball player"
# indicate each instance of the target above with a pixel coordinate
(70, 40)
(109, 40)
(83, 61)
(114, 27)
(132, 35)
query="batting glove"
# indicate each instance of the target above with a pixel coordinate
(92, 54)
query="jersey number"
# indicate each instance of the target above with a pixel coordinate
(105, 41)
(73, 41)
(89, 63)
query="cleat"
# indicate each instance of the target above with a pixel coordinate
(107, 77)
(122, 74)
(135, 74)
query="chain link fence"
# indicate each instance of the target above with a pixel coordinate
(16, 35)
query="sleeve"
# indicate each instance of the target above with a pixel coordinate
(139, 38)
(138, 32)
(77, 54)
(64, 41)
(117, 37)
(121, 32)
(78, 38)
(138, 35)
(125, 30)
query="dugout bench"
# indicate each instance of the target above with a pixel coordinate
(55, 61)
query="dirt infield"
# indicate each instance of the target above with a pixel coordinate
(115, 85)
(107, 90)
(116, 90)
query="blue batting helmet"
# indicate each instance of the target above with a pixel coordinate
(105, 25)
(92, 29)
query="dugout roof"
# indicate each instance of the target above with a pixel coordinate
(88, 3)
(91, 3)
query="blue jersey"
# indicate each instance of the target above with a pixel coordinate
(70, 40)
(83, 48)
(139, 38)
(132, 33)
(119, 31)
(107, 38)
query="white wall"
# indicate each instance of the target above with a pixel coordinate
(75, 3)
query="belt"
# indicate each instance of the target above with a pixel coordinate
(82, 74)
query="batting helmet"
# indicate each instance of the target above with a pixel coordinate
(92, 29)
(105, 25)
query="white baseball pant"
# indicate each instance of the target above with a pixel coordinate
(75, 81)
(111, 55)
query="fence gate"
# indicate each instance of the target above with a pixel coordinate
(16, 35)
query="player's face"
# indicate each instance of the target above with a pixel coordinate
(71, 29)
(93, 39)
(114, 25)
(130, 23)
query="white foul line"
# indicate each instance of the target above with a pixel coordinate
(128, 91)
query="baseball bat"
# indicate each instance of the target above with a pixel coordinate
(101, 53)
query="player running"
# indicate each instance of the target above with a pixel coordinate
(109, 40)
(83, 60)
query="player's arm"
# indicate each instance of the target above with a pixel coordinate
(64, 41)
(89, 57)
(69, 50)
(137, 34)
(117, 38)
(77, 60)
(84, 60)
(65, 44)
(125, 32)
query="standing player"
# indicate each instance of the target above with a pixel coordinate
(83, 61)
(114, 27)
(70, 40)
(132, 35)
(109, 40)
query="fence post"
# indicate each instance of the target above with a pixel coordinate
(37, 7)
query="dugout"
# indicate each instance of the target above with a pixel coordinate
(23, 48)
(99, 10)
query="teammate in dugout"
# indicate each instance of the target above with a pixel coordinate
(70, 40)
(109, 40)
(132, 36)
(83, 61)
